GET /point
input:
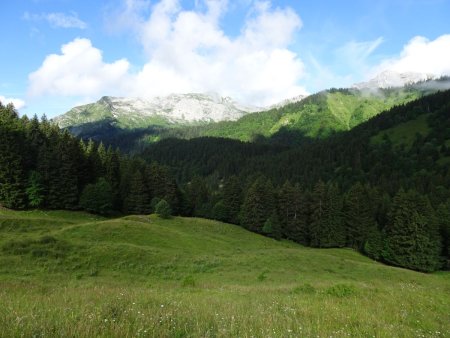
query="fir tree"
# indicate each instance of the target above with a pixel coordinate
(35, 190)
(220, 212)
(197, 194)
(412, 237)
(443, 220)
(326, 227)
(138, 200)
(358, 216)
(232, 199)
(12, 173)
(293, 213)
(258, 205)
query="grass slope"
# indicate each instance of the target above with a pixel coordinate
(74, 274)
(316, 116)
(404, 133)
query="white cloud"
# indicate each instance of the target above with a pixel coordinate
(78, 71)
(187, 51)
(421, 55)
(18, 103)
(58, 20)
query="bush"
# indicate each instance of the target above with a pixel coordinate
(153, 203)
(97, 198)
(162, 209)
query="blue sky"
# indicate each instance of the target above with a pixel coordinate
(61, 53)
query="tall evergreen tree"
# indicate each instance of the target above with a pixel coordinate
(443, 220)
(197, 194)
(258, 206)
(138, 200)
(326, 226)
(232, 199)
(412, 236)
(358, 216)
(63, 185)
(12, 170)
(113, 175)
(35, 190)
(293, 213)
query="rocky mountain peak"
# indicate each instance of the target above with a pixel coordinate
(389, 78)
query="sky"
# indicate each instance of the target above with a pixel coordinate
(57, 54)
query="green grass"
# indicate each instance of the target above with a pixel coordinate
(74, 274)
(404, 133)
(316, 116)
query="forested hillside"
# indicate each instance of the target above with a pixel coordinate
(44, 167)
(372, 188)
(346, 188)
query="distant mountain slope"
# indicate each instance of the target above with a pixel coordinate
(424, 120)
(389, 79)
(318, 115)
(160, 111)
(130, 124)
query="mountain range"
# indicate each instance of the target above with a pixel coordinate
(137, 120)
(184, 109)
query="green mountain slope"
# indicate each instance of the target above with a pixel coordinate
(66, 273)
(318, 115)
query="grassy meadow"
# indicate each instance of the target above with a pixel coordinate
(75, 274)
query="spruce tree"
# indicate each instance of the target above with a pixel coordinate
(412, 236)
(326, 226)
(258, 206)
(113, 175)
(232, 199)
(219, 212)
(358, 216)
(138, 200)
(293, 213)
(35, 190)
(12, 173)
(197, 194)
(443, 221)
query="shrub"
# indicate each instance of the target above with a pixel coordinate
(163, 209)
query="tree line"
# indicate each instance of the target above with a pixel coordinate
(44, 167)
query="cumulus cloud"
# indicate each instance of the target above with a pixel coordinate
(57, 20)
(78, 71)
(421, 55)
(18, 103)
(187, 51)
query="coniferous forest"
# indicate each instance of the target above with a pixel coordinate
(375, 188)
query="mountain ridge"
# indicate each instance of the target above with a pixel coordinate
(190, 108)
(390, 79)
(112, 120)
